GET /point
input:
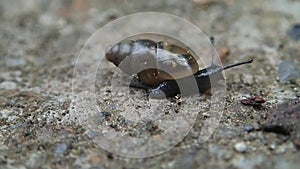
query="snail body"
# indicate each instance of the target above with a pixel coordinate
(162, 65)
(203, 78)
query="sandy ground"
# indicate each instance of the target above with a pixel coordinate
(42, 124)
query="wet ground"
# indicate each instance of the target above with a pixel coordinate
(259, 124)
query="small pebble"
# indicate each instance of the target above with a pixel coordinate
(288, 70)
(249, 128)
(272, 147)
(296, 142)
(294, 32)
(60, 149)
(240, 147)
(283, 118)
(8, 85)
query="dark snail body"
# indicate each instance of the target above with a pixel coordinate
(170, 88)
(155, 61)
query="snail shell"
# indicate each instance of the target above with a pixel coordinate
(154, 61)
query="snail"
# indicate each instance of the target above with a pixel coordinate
(162, 65)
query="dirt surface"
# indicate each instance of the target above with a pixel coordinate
(40, 127)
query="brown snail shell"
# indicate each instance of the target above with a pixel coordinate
(154, 61)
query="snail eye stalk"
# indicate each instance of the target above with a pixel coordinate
(238, 64)
(212, 49)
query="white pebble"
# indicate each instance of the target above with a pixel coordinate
(240, 147)
(8, 85)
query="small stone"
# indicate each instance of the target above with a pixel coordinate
(283, 118)
(272, 147)
(294, 32)
(288, 70)
(296, 142)
(8, 85)
(249, 128)
(60, 149)
(240, 147)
